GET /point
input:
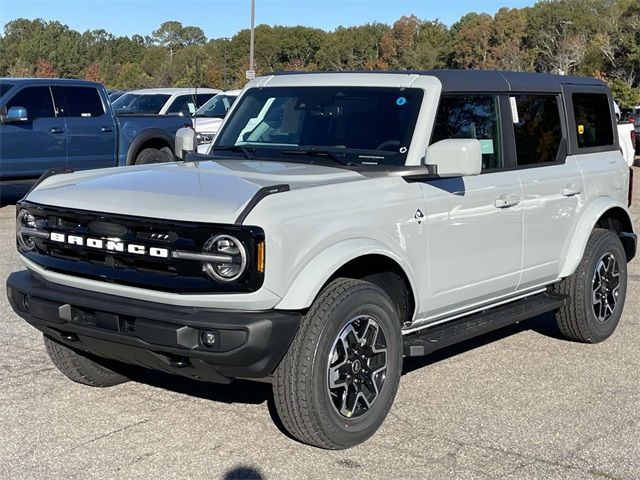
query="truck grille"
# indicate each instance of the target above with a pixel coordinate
(122, 267)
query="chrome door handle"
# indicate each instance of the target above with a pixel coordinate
(506, 201)
(571, 190)
(106, 129)
(56, 130)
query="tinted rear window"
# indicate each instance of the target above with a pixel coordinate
(593, 120)
(78, 102)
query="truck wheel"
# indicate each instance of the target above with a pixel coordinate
(596, 290)
(82, 368)
(336, 384)
(153, 155)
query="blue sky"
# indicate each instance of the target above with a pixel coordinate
(220, 18)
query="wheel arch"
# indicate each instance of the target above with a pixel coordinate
(369, 261)
(604, 212)
(148, 138)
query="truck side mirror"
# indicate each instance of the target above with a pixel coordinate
(17, 114)
(455, 157)
(185, 142)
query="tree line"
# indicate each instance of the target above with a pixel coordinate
(586, 37)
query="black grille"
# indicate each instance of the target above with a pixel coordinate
(167, 274)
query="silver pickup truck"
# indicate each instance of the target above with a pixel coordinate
(342, 222)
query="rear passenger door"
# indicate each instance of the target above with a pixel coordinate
(552, 184)
(475, 222)
(27, 149)
(91, 129)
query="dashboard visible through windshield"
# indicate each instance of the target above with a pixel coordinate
(352, 125)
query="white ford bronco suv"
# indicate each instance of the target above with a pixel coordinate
(341, 222)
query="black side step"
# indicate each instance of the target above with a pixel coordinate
(429, 340)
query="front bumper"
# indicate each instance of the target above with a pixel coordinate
(153, 335)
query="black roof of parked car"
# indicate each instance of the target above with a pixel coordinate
(491, 80)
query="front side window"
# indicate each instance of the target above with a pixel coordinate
(365, 125)
(537, 128)
(78, 102)
(471, 116)
(5, 87)
(141, 104)
(37, 101)
(592, 120)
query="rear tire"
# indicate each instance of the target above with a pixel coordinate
(596, 290)
(153, 155)
(83, 368)
(336, 384)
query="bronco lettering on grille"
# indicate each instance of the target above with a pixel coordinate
(109, 244)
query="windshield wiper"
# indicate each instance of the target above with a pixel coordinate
(319, 153)
(246, 151)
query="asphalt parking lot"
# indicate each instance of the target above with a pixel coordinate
(518, 404)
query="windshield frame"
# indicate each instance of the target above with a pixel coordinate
(353, 157)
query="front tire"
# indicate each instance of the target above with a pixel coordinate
(154, 155)
(82, 368)
(336, 384)
(596, 290)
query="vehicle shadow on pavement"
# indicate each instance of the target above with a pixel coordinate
(239, 391)
(543, 324)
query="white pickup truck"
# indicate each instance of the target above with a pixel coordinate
(343, 222)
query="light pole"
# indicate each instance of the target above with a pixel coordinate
(252, 36)
(225, 40)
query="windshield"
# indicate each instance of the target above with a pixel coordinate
(361, 125)
(217, 107)
(5, 87)
(140, 103)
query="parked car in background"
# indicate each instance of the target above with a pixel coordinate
(209, 116)
(115, 94)
(53, 123)
(163, 101)
(627, 135)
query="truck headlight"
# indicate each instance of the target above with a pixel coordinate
(232, 260)
(24, 222)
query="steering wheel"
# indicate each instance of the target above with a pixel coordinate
(388, 145)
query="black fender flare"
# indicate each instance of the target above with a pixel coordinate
(143, 137)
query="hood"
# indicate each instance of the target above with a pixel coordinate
(211, 191)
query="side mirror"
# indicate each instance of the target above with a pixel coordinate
(455, 157)
(15, 115)
(185, 142)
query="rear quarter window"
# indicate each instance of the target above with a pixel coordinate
(593, 120)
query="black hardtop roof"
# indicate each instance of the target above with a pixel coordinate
(491, 80)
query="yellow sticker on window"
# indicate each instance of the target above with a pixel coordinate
(580, 129)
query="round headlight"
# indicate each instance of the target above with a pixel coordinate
(233, 258)
(25, 219)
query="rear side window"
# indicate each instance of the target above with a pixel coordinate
(37, 101)
(78, 102)
(593, 120)
(537, 128)
(471, 116)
